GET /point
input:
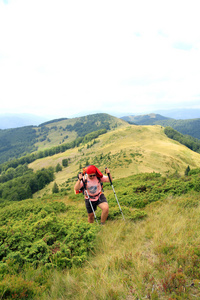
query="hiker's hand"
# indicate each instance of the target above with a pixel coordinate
(109, 178)
(80, 176)
(107, 170)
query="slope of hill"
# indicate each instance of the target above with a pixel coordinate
(156, 257)
(57, 132)
(17, 142)
(126, 151)
(189, 126)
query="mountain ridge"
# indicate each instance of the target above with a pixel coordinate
(8, 121)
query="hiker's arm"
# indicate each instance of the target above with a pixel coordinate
(78, 185)
(108, 171)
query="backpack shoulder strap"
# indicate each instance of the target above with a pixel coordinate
(101, 183)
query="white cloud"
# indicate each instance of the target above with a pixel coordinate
(62, 57)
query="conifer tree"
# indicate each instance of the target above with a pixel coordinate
(58, 168)
(55, 188)
(65, 162)
(187, 170)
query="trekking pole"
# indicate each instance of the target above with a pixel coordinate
(89, 200)
(115, 194)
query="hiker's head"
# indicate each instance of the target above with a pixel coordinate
(92, 170)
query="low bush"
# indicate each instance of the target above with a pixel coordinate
(38, 236)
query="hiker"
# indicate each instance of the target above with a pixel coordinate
(93, 179)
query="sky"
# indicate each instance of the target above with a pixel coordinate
(61, 58)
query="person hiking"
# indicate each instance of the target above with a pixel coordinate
(93, 179)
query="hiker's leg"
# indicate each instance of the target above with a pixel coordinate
(89, 210)
(104, 214)
(91, 218)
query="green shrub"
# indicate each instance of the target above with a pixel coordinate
(38, 236)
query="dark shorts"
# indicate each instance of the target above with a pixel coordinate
(101, 199)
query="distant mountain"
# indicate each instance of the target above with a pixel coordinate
(170, 113)
(19, 120)
(184, 113)
(148, 119)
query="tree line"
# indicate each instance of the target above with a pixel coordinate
(187, 140)
(187, 127)
(23, 187)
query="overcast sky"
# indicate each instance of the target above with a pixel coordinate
(60, 58)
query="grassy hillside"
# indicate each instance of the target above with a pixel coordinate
(18, 142)
(126, 151)
(48, 250)
(65, 130)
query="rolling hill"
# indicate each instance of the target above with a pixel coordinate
(18, 142)
(126, 151)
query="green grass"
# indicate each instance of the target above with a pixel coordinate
(156, 258)
(153, 254)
